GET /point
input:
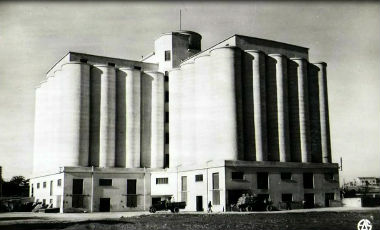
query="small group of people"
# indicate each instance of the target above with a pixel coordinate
(245, 198)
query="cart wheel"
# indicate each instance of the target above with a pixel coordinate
(176, 210)
(152, 210)
(269, 208)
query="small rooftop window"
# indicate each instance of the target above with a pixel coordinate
(167, 55)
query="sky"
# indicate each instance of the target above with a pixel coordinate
(35, 35)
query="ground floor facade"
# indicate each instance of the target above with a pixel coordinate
(221, 183)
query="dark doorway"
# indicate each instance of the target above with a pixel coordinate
(104, 205)
(131, 193)
(309, 200)
(199, 203)
(233, 196)
(262, 180)
(78, 186)
(308, 180)
(328, 197)
(77, 201)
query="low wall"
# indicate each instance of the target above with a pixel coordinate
(352, 202)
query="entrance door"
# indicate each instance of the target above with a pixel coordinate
(77, 201)
(309, 200)
(199, 203)
(328, 197)
(104, 205)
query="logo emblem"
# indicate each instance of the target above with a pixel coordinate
(364, 224)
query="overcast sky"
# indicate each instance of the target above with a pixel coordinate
(33, 36)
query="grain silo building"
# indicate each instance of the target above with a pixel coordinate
(247, 115)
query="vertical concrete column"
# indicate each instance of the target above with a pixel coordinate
(303, 108)
(157, 120)
(175, 138)
(225, 105)
(128, 98)
(202, 86)
(282, 107)
(324, 112)
(75, 114)
(259, 104)
(107, 115)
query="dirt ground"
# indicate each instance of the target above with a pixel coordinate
(291, 220)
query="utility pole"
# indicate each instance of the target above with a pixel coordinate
(180, 19)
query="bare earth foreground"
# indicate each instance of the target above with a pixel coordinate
(300, 219)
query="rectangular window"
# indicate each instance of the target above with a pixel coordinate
(184, 183)
(167, 55)
(38, 185)
(163, 180)
(51, 201)
(166, 160)
(44, 184)
(59, 182)
(32, 195)
(237, 175)
(166, 117)
(287, 197)
(43, 201)
(131, 193)
(166, 138)
(262, 180)
(51, 188)
(215, 181)
(166, 96)
(105, 182)
(215, 187)
(216, 197)
(286, 176)
(184, 188)
(308, 181)
(199, 177)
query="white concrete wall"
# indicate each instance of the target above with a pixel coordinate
(117, 192)
(39, 194)
(194, 189)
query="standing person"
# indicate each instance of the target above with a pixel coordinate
(209, 207)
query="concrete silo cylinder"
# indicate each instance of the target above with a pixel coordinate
(324, 112)
(75, 114)
(226, 135)
(259, 104)
(107, 114)
(128, 117)
(175, 124)
(303, 108)
(282, 106)
(157, 119)
(202, 119)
